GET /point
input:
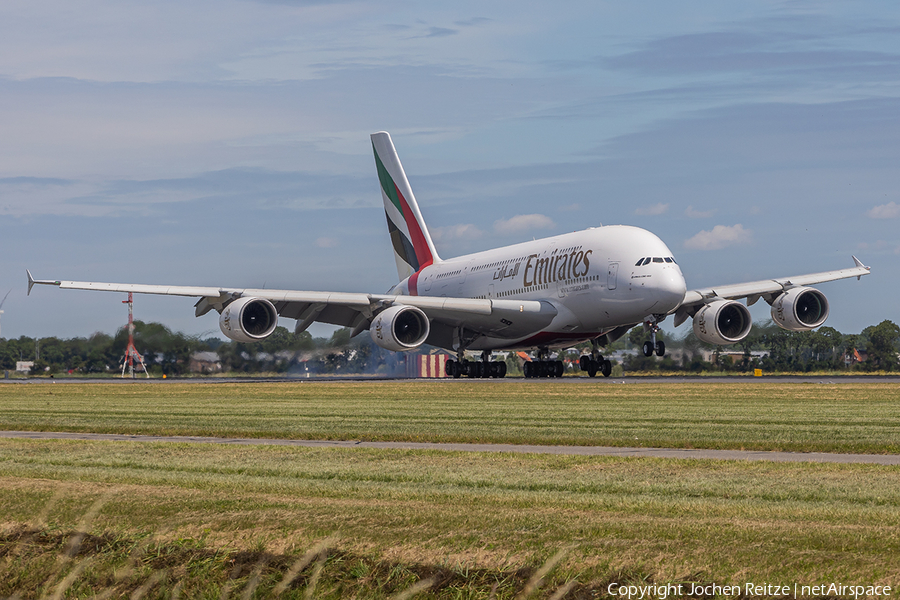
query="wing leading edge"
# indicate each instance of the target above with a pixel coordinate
(504, 318)
(767, 289)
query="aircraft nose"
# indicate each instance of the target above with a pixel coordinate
(671, 288)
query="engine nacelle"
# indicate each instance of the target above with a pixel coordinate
(400, 328)
(722, 322)
(248, 319)
(800, 309)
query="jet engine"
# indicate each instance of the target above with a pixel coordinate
(800, 309)
(722, 322)
(400, 328)
(248, 319)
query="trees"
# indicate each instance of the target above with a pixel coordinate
(882, 346)
(168, 352)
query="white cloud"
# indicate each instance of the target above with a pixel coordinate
(720, 237)
(698, 214)
(891, 210)
(522, 223)
(649, 211)
(465, 231)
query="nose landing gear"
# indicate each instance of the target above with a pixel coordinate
(653, 345)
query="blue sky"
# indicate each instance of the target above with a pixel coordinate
(226, 142)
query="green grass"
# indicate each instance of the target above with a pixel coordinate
(214, 521)
(497, 515)
(853, 417)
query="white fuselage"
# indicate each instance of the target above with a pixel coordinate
(591, 277)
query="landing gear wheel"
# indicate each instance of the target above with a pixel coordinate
(660, 348)
(648, 348)
(559, 368)
(584, 362)
(606, 367)
(472, 369)
(591, 367)
(450, 369)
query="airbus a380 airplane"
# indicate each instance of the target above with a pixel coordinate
(592, 285)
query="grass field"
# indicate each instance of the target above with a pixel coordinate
(768, 416)
(166, 519)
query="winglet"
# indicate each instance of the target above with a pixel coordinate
(860, 264)
(32, 281)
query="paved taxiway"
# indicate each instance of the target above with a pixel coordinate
(820, 457)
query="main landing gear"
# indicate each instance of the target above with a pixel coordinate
(652, 345)
(475, 368)
(544, 367)
(594, 362)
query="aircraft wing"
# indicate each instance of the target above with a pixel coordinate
(507, 318)
(768, 289)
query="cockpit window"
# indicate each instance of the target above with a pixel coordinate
(642, 262)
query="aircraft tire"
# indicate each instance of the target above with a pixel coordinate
(501, 369)
(558, 368)
(592, 367)
(660, 348)
(606, 368)
(584, 362)
(648, 348)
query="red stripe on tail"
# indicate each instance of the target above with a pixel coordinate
(423, 253)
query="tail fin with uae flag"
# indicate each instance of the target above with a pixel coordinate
(413, 248)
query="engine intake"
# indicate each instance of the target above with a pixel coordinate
(722, 322)
(800, 309)
(400, 328)
(248, 319)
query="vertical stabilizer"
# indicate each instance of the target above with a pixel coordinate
(413, 248)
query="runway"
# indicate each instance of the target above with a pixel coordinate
(630, 380)
(679, 453)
